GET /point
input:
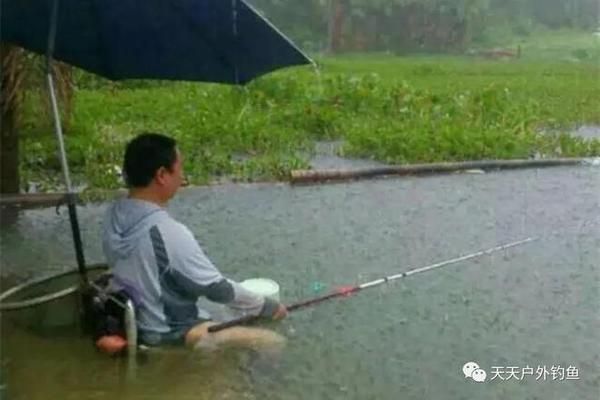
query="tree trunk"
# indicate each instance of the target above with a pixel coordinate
(336, 25)
(11, 98)
(9, 154)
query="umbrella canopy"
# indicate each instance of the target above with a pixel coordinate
(224, 41)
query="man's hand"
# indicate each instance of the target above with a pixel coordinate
(281, 313)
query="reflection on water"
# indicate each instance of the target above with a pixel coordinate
(327, 156)
(536, 304)
(588, 132)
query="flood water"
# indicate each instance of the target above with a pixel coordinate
(535, 305)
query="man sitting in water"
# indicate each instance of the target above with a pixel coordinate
(159, 262)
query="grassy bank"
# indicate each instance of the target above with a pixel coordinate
(392, 109)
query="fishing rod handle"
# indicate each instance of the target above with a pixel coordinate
(250, 318)
(234, 322)
(343, 291)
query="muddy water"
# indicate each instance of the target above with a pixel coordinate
(537, 305)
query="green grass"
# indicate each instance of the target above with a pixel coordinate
(393, 109)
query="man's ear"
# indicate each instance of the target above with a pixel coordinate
(160, 175)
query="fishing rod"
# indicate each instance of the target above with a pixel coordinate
(348, 290)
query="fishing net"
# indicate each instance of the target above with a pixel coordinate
(47, 305)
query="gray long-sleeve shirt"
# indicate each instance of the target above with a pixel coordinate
(160, 264)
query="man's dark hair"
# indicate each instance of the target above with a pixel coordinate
(144, 156)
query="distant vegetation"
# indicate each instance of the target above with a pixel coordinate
(384, 107)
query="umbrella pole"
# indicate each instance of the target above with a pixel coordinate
(71, 196)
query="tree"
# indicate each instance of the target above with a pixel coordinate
(337, 19)
(424, 25)
(11, 101)
(17, 66)
(581, 14)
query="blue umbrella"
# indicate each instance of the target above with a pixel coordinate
(223, 41)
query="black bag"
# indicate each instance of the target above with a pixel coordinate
(103, 315)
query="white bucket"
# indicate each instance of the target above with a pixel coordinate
(262, 286)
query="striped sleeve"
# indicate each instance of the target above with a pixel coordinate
(190, 272)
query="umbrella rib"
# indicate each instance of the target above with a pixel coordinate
(280, 33)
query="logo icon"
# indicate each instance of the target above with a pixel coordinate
(472, 370)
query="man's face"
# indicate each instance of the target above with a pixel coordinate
(170, 181)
